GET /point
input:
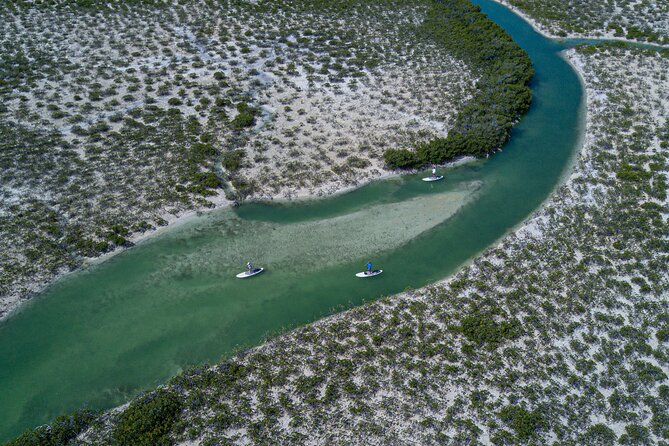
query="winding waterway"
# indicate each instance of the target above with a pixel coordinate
(100, 336)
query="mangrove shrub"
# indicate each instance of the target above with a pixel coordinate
(148, 420)
(502, 93)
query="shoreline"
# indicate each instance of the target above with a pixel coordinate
(534, 228)
(584, 138)
(530, 21)
(538, 27)
(16, 302)
(329, 190)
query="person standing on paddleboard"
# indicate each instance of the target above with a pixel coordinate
(249, 267)
(369, 267)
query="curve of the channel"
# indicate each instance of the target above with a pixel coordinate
(100, 336)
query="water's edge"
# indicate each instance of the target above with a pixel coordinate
(139, 317)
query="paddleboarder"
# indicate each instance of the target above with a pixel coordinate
(250, 271)
(434, 176)
(369, 272)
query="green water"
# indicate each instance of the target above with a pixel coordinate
(100, 336)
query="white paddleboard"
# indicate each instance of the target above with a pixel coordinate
(437, 178)
(246, 274)
(376, 272)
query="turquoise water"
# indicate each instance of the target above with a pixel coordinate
(100, 336)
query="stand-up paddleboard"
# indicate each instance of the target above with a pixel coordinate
(434, 178)
(246, 274)
(376, 272)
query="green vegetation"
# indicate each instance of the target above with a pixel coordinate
(598, 435)
(629, 19)
(232, 160)
(503, 94)
(148, 420)
(572, 313)
(246, 116)
(63, 430)
(483, 329)
(550, 337)
(524, 423)
(632, 173)
(136, 130)
(402, 159)
(355, 162)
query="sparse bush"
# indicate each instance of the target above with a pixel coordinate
(246, 116)
(232, 160)
(356, 162)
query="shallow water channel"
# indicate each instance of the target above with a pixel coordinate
(98, 337)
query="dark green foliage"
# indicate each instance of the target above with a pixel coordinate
(635, 434)
(524, 423)
(456, 144)
(207, 179)
(660, 424)
(245, 118)
(232, 160)
(503, 94)
(242, 120)
(503, 438)
(60, 432)
(91, 248)
(663, 392)
(243, 187)
(193, 126)
(116, 234)
(649, 373)
(116, 239)
(482, 329)
(202, 182)
(200, 152)
(148, 420)
(401, 159)
(598, 435)
(632, 173)
(635, 33)
(663, 334)
(223, 377)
